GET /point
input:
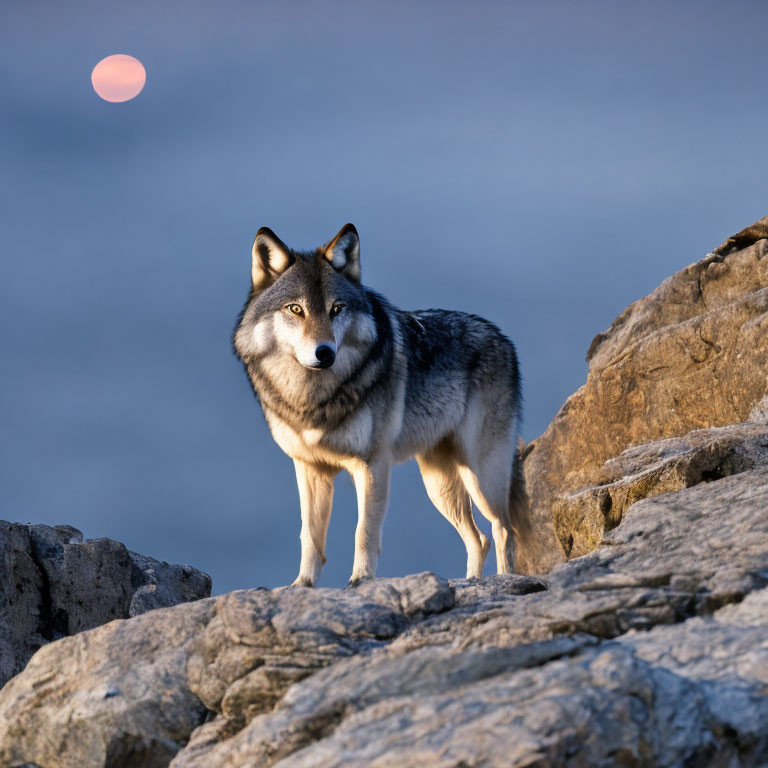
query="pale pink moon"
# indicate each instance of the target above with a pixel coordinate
(119, 77)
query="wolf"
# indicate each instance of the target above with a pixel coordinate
(348, 381)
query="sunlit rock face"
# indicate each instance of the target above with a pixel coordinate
(691, 355)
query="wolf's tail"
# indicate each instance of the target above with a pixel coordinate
(520, 514)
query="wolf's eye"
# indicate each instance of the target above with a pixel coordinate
(295, 309)
(336, 310)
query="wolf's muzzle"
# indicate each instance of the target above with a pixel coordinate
(325, 356)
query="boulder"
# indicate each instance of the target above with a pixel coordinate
(691, 355)
(650, 650)
(130, 693)
(112, 696)
(567, 672)
(54, 584)
(627, 702)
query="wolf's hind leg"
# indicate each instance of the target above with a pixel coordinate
(447, 492)
(488, 481)
(316, 495)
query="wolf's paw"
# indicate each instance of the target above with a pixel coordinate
(356, 582)
(303, 581)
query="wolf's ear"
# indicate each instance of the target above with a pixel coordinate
(271, 257)
(344, 252)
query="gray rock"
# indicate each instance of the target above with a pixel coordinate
(519, 675)
(54, 585)
(159, 584)
(261, 642)
(652, 698)
(124, 693)
(112, 696)
(650, 650)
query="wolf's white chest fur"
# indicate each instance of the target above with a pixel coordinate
(353, 438)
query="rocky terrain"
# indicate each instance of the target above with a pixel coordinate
(691, 355)
(54, 584)
(646, 643)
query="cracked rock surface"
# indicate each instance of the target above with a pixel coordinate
(582, 519)
(651, 650)
(54, 584)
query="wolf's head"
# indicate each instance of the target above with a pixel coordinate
(308, 306)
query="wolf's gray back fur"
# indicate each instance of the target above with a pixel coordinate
(437, 385)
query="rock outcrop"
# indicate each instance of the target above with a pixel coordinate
(54, 584)
(650, 650)
(582, 519)
(648, 647)
(689, 356)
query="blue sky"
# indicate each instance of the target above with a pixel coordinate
(542, 164)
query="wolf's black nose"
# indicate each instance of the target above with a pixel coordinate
(325, 356)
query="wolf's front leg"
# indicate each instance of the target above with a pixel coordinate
(316, 495)
(372, 486)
